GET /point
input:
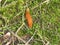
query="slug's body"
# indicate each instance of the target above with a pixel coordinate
(29, 18)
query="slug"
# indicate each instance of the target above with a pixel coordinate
(28, 18)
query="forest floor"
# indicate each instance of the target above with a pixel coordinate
(14, 29)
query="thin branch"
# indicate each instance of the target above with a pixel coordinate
(4, 3)
(0, 3)
(19, 28)
(23, 18)
(47, 1)
(30, 38)
(26, 26)
(13, 40)
(12, 3)
(8, 43)
(18, 37)
(22, 44)
(18, 14)
(47, 43)
(0, 0)
(41, 38)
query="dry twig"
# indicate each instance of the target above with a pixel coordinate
(47, 43)
(12, 3)
(18, 37)
(19, 28)
(4, 3)
(8, 43)
(30, 38)
(47, 1)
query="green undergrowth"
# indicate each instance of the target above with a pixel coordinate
(46, 19)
